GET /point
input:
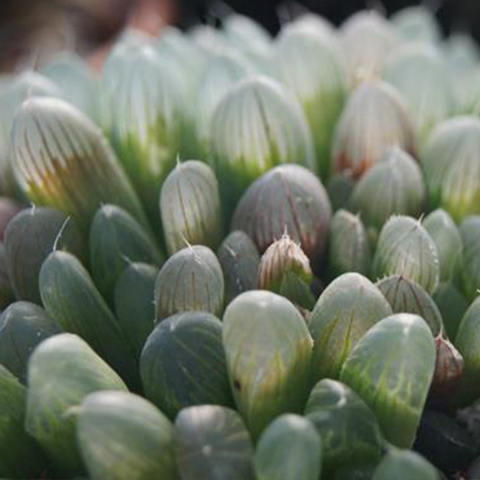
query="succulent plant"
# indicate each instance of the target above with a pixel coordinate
(360, 139)
(122, 436)
(345, 311)
(289, 447)
(191, 279)
(256, 126)
(117, 240)
(183, 363)
(391, 368)
(239, 259)
(452, 305)
(400, 464)
(62, 371)
(367, 39)
(417, 24)
(20, 456)
(428, 92)
(30, 237)
(348, 245)
(134, 303)
(190, 207)
(451, 164)
(405, 248)
(72, 300)
(394, 185)
(145, 109)
(75, 81)
(443, 231)
(268, 376)
(466, 341)
(470, 261)
(60, 159)
(309, 66)
(285, 269)
(212, 442)
(23, 325)
(288, 199)
(350, 433)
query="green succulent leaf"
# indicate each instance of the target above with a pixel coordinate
(134, 303)
(401, 464)
(405, 248)
(289, 447)
(72, 300)
(190, 207)
(122, 436)
(345, 311)
(470, 261)
(191, 279)
(30, 237)
(309, 65)
(23, 325)
(61, 159)
(62, 371)
(467, 343)
(256, 126)
(20, 456)
(394, 185)
(348, 245)
(391, 368)
(452, 305)
(350, 432)
(212, 442)
(239, 259)
(117, 240)
(406, 296)
(268, 351)
(450, 161)
(441, 227)
(183, 363)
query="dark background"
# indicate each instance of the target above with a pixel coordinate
(30, 29)
(453, 14)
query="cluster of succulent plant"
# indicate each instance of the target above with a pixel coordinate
(238, 257)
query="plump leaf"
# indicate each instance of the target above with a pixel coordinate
(23, 325)
(289, 447)
(268, 351)
(123, 437)
(212, 442)
(350, 432)
(62, 371)
(345, 311)
(183, 363)
(391, 368)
